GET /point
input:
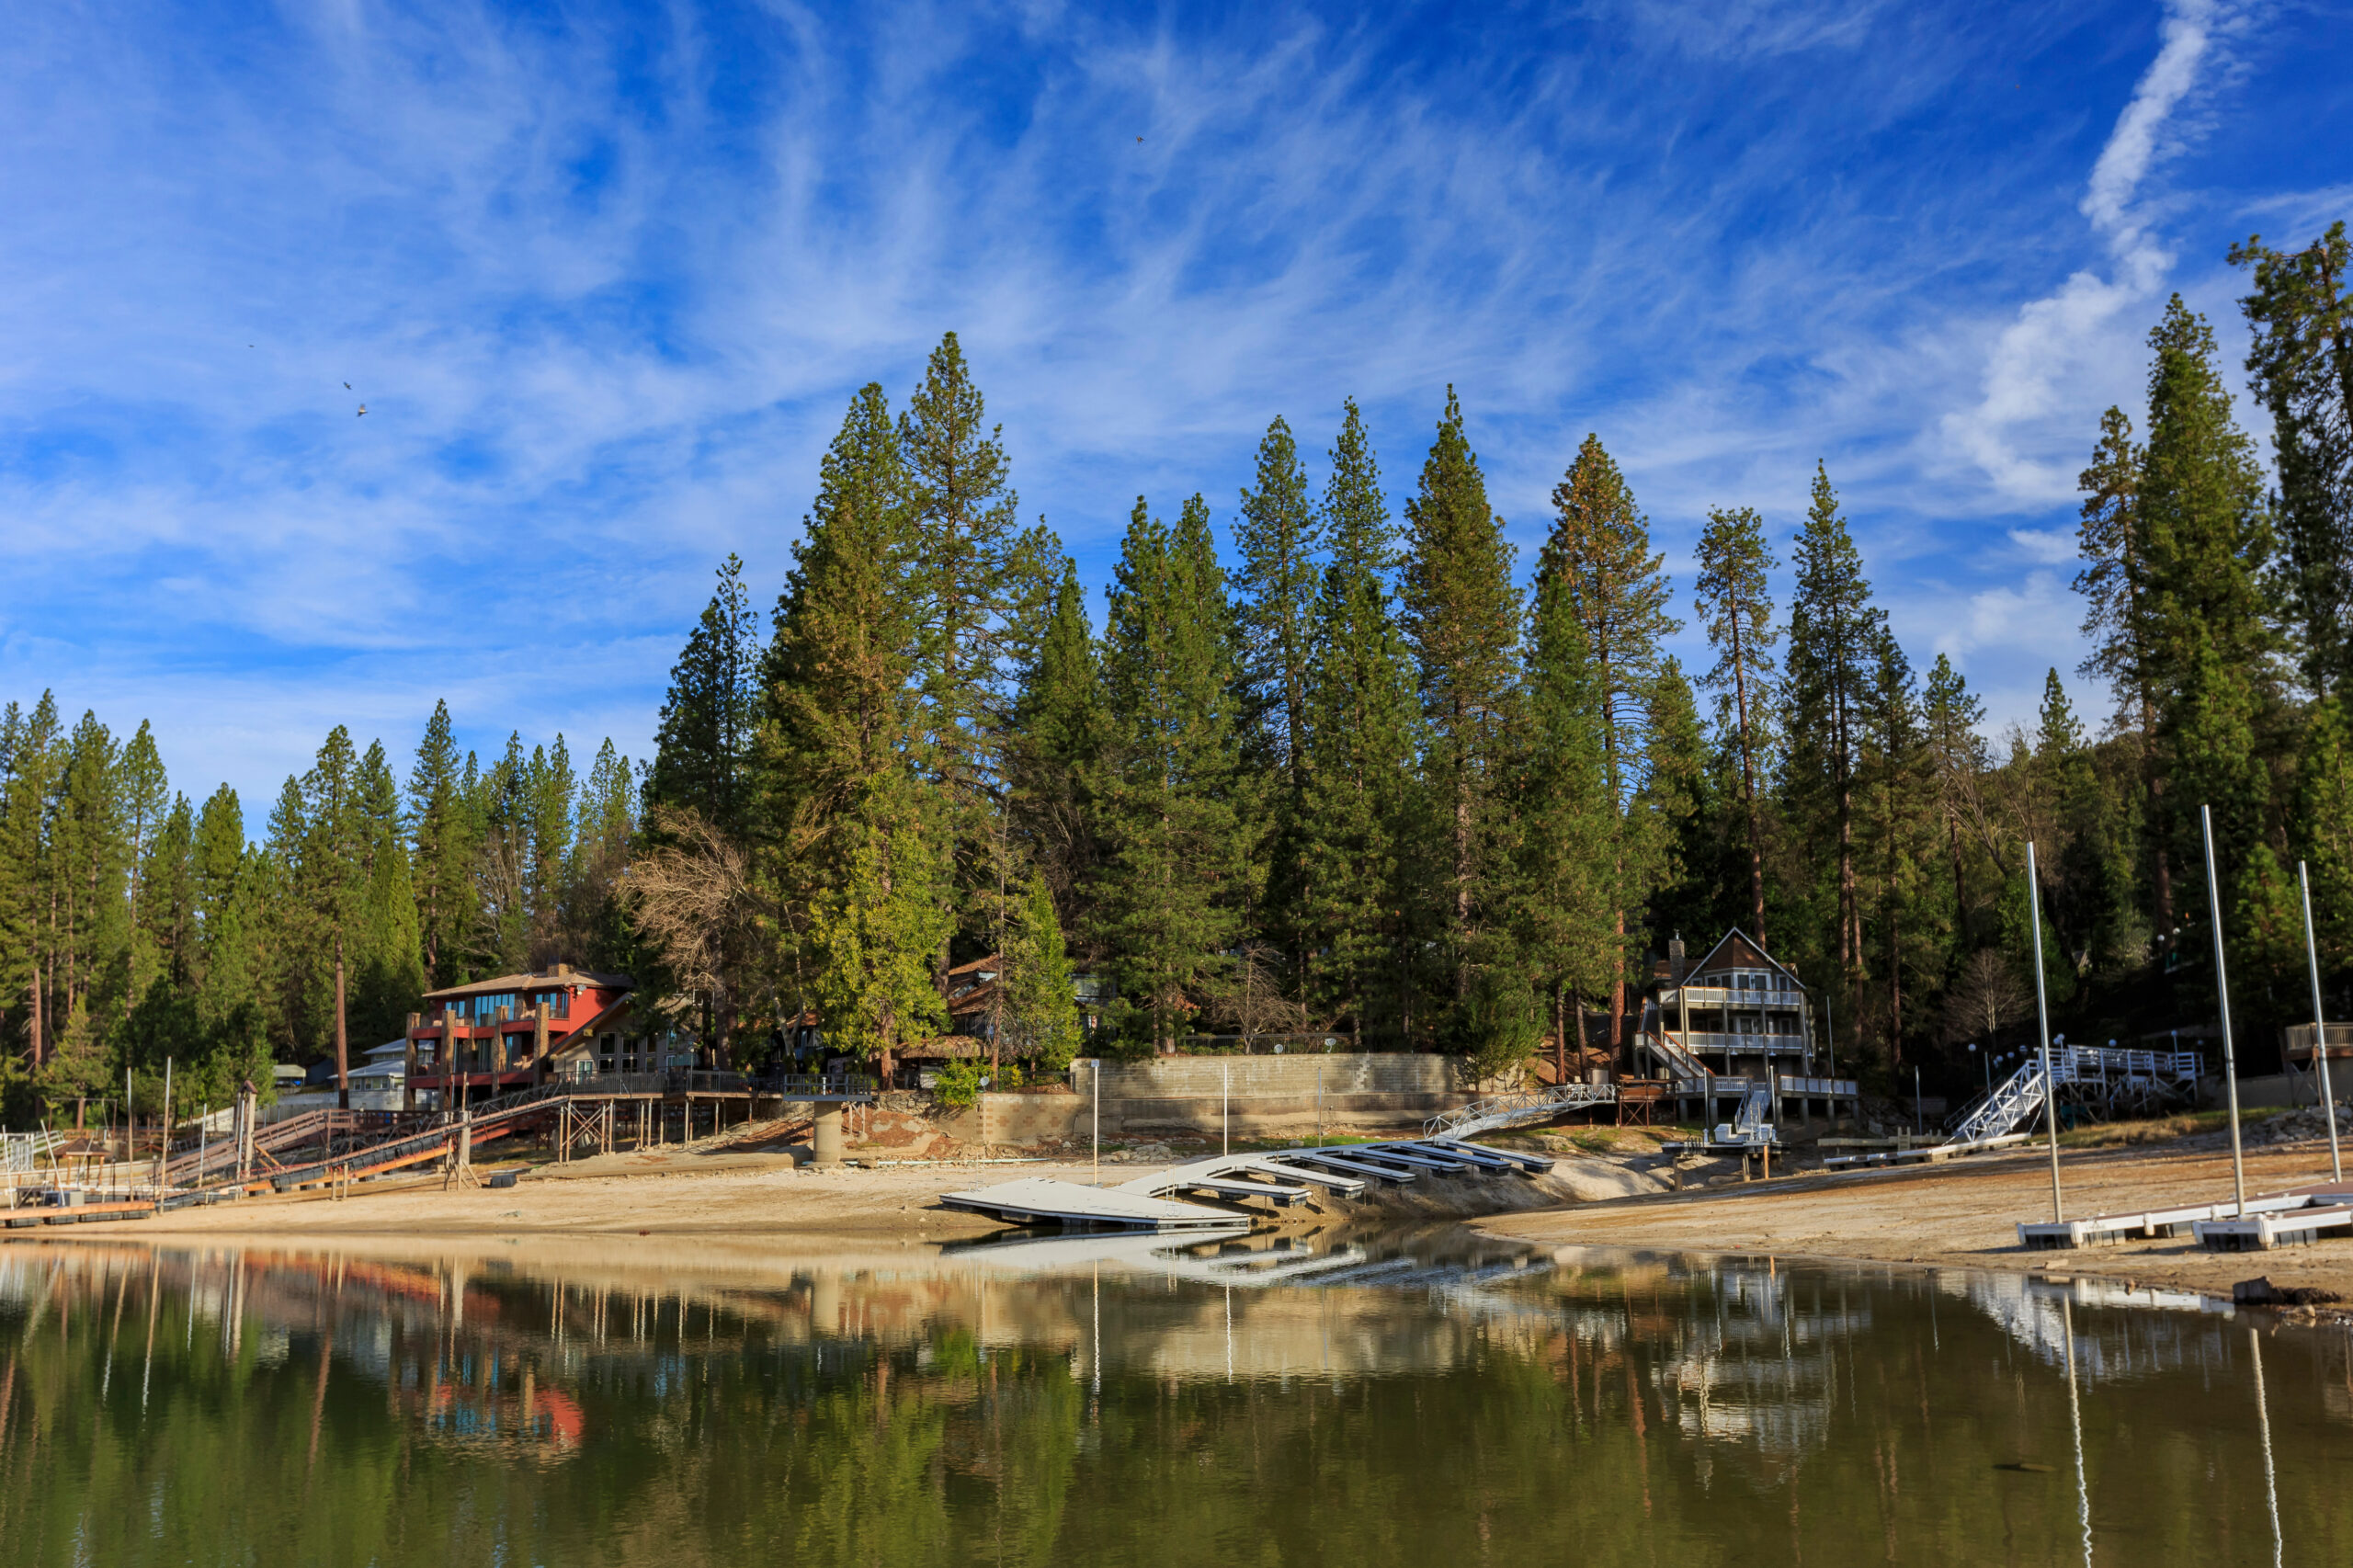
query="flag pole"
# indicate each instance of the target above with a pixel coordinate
(2320, 1029)
(2222, 1000)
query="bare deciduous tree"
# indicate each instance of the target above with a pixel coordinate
(698, 907)
(1985, 998)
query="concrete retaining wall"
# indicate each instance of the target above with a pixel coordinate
(1270, 1096)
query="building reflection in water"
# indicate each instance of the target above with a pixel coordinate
(1695, 1392)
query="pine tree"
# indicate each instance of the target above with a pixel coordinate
(2323, 824)
(167, 909)
(441, 832)
(1601, 550)
(1733, 596)
(2301, 357)
(2200, 512)
(1275, 596)
(1894, 759)
(1951, 715)
(1567, 916)
(1834, 647)
(963, 515)
(1360, 794)
(595, 922)
(860, 838)
(1462, 620)
(389, 976)
(872, 936)
(2207, 538)
(1053, 748)
(1041, 1008)
(1275, 604)
(2118, 617)
(2216, 765)
(499, 942)
(704, 733)
(36, 758)
(1686, 806)
(1168, 895)
(146, 798)
(328, 841)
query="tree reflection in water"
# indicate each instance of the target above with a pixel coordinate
(1112, 1400)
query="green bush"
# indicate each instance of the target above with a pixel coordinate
(959, 1082)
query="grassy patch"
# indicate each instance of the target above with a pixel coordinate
(2158, 1130)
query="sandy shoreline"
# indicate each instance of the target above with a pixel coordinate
(1965, 1214)
(1959, 1215)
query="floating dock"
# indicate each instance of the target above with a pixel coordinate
(2282, 1218)
(1150, 1202)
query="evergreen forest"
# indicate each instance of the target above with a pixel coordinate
(1313, 765)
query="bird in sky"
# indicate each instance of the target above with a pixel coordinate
(347, 386)
(362, 414)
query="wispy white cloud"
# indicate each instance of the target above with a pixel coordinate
(2078, 339)
(606, 279)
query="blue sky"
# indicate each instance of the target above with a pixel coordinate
(605, 279)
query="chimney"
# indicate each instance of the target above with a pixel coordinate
(1675, 959)
(563, 969)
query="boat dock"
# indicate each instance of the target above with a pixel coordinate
(1156, 1201)
(2283, 1219)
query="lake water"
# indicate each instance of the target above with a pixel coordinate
(1433, 1402)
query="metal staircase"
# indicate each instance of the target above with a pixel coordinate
(2014, 1102)
(2111, 1079)
(1682, 1065)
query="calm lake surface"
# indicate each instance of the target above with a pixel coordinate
(1433, 1402)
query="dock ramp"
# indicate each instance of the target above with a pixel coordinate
(1155, 1201)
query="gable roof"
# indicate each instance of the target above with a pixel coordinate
(533, 980)
(1739, 951)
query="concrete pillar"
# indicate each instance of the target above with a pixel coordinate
(826, 1137)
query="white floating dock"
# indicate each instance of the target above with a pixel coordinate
(1281, 1178)
(2273, 1220)
(1036, 1199)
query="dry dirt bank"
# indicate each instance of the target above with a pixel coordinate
(754, 1198)
(1964, 1215)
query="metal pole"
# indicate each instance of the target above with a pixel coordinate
(2042, 1023)
(1225, 1111)
(2320, 1029)
(1097, 1109)
(1919, 1117)
(2222, 1000)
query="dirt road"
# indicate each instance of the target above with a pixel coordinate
(1965, 1214)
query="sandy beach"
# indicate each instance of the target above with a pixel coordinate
(1965, 1214)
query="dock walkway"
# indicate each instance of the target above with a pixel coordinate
(1150, 1201)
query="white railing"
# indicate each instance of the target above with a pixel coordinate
(1729, 996)
(1684, 1065)
(1840, 1087)
(1513, 1109)
(21, 1153)
(2015, 1099)
(1717, 1040)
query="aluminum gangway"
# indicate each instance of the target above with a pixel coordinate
(1519, 1108)
(22, 1152)
(2114, 1077)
